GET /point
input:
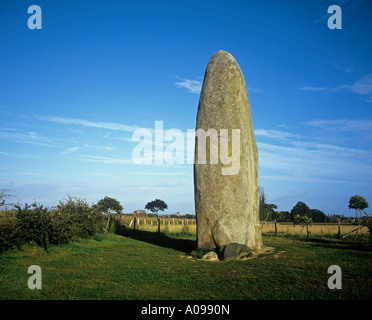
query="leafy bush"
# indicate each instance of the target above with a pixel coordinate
(33, 224)
(367, 222)
(186, 230)
(83, 221)
(8, 230)
(73, 218)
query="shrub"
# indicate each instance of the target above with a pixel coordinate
(60, 228)
(73, 218)
(186, 230)
(83, 221)
(33, 224)
(8, 230)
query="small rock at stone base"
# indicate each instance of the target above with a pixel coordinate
(211, 256)
(234, 251)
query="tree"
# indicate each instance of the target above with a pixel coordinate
(265, 209)
(262, 203)
(304, 221)
(109, 205)
(367, 222)
(4, 193)
(317, 215)
(300, 209)
(285, 216)
(276, 215)
(358, 203)
(155, 206)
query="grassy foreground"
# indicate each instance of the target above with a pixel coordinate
(145, 265)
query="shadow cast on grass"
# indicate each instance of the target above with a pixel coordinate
(342, 244)
(159, 239)
(363, 243)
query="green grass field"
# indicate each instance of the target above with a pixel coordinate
(146, 265)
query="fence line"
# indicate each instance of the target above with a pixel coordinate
(146, 221)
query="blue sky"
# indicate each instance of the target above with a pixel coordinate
(72, 94)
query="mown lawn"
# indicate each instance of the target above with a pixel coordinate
(159, 267)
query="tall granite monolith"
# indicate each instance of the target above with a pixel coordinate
(226, 176)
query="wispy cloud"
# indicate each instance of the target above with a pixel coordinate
(275, 134)
(346, 125)
(321, 162)
(92, 124)
(159, 173)
(70, 150)
(251, 89)
(30, 137)
(324, 17)
(308, 179)
(331, 152)
(105, 148)
(346, 7)
(363, 86)
(107, 160)
(315, 89)
(336, 66)
(17, 155)
(102, 175)
(193, 86)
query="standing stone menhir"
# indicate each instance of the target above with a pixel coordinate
(226, 202)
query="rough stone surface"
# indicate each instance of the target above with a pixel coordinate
(234, 251)
(226, 206)
(211, 256)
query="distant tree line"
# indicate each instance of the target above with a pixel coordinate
(175, 216)
(182, 216)
(267, 211)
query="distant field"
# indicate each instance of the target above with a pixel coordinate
(315, 229)
(177, 225)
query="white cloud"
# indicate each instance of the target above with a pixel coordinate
(346, 7)
(315, 89)
(87, 123)
(324, 17)
(102, 175)
(318, 157)
(70, 150)
(336, 66)
(275, 134)
(302, 179)
(30, 137)
(159, 173)
(17, 155)
(315, 162)
(251, 89)
(363, 86)
(193, 86)
(106, 148)
(108, 160)
(346, 125)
